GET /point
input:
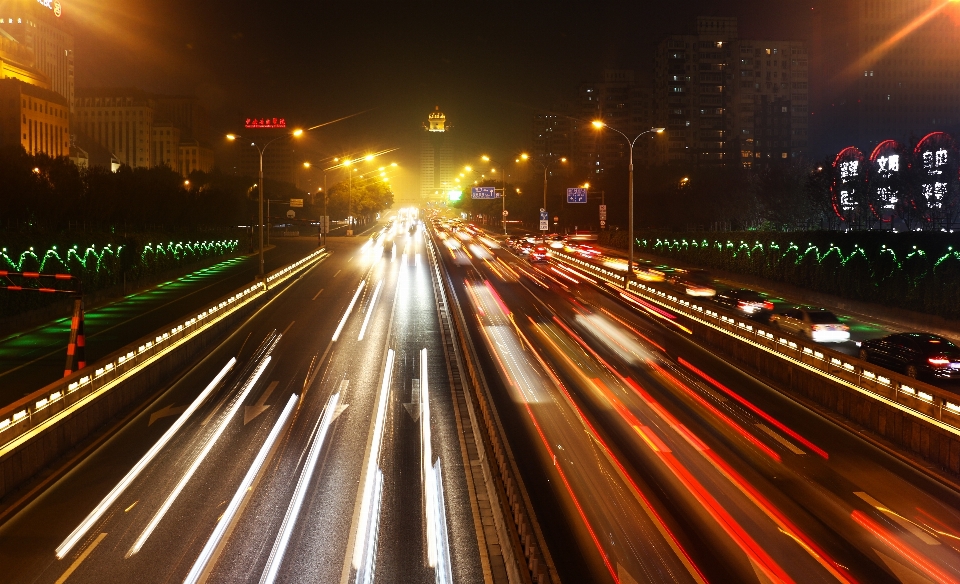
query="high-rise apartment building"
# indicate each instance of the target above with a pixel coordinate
(436, 159)
(876, 83)
(621, 102)
(727, 100)
(166, 146)
(120, 120)
(42, 28)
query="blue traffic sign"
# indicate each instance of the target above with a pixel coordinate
(544, 216)
(483, 192)
(577, 195)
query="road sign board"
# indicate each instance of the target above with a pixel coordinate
(483, 192)
(544, 216)
(603, 223)
(603, 212)
(296, 202)
(291, 214)
(505, 212)
(544, 225)
(577, 195)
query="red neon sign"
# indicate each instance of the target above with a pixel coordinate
(265, 123)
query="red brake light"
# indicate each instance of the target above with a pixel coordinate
(940, 361)
(741, 304)
(768, 305)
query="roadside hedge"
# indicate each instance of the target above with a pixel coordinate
(917, 271)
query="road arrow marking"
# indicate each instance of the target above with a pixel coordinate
(169, 410)
(413, 408)
(251, 412)
(338, 411)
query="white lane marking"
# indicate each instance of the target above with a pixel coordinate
(115, 493)
(903, 522)
(438, 549)
(338, 272)
(207, 559)
(234, 408)
(288, 327)
(79, 560)
(372, 469)
(317, 294)
(373, 303)
(293, 510)
(251, 412)
(783, 441)
(343, 321)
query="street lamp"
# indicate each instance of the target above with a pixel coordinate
(547, 164)
(601, 125)
(503, 189)
(260, 150)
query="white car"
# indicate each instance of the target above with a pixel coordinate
(820, 326)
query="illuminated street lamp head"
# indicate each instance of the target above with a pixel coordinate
(597, 124)
(368, 157)
(564, 159)
(186, 183)
(586, 185)
(231, 137)
(347, 162)
(298, 133)
(468, 168)
(485, 158)
(658, 130)
(393, 164)
(524, 156)
(306, 165)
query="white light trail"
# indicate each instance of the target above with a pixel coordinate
(372, 463)
(426, 462)
(293, 511)
(234, 408)
(343, 321)
(118, 490)
(442, 573)
(373, 303)
(200, 567)
(367, 570)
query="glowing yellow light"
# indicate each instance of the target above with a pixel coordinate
(468, 168)
(659, 130)
(597, 124)
(298, 133)
(231, 137)
(306, 165)
(369, 157)
(563, 160)
(393, 164)
(586, 185)
(524, 156)
(485, 158)
(347, 162)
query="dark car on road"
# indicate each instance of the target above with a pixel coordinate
(918, 355)
(744, 300)
(694, 282)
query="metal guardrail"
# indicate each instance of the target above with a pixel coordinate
(40, 410)
(916, 398)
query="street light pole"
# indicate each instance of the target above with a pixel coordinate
(261, 150)
(600, 125)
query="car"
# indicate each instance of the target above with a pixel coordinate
(538, 253)
(748, 301)
(820, 326)
(524, 247)
(695, 282)
(555, 241)
(917, 355)
(588, 251)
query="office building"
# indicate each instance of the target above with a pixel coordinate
(436, 160)
(34, 117)
(119, 120)
(166, 146)
(42, 29)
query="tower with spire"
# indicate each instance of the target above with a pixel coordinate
(436, 159)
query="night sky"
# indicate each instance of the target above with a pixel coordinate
(488, 65)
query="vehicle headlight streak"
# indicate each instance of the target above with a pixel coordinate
(293, 510)
(343, 321)
(369, 519)
(118, 490)
(438, 550)
(200, 567)
(234, 408)
(373, 304)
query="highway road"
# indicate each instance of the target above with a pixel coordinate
(752, 486)
(311, 460)
(34, 358)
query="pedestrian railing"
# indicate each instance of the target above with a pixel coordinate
(42, 409)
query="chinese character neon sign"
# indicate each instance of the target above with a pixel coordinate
(265, 123)
(52, 5)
